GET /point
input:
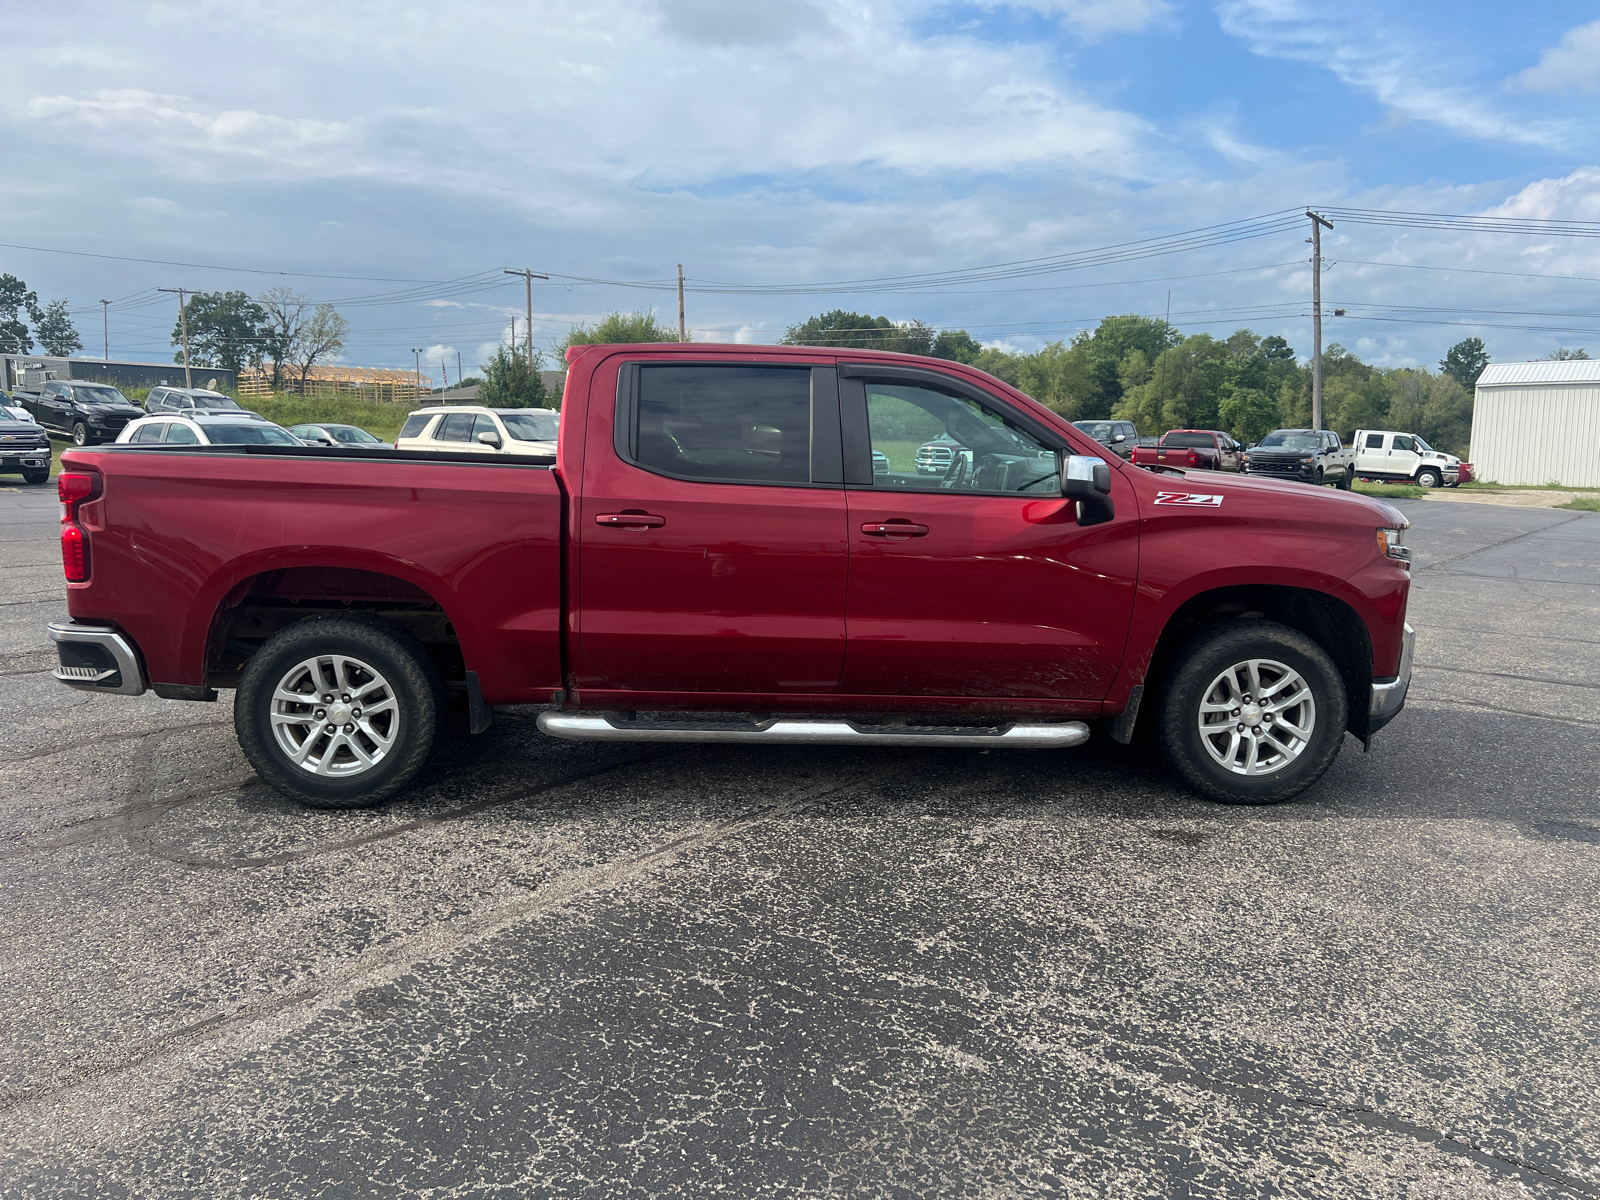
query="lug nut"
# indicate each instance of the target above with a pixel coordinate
(327, 699)
(332, 729)
(345, 697)
(349, 728)
(355, 712)
(1236, 712)
(322, 714)
(1241, 729)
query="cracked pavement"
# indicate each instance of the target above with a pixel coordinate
(574, 969)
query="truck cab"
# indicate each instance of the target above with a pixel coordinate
(1404, 458)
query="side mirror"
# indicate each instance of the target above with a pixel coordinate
(490, 439)
(1121, 437)
(1087, 480)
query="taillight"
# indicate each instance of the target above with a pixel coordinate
(74, 488)
(74, 553)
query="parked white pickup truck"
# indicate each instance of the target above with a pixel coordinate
(1404, 457)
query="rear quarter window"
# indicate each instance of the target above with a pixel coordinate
(415, 424)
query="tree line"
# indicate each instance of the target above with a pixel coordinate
(236, 332)
(52, 323)
(1143, 370)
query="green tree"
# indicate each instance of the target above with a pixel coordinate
(15, 296)
(1248, 413)
(1101, 354)
(1465, 361)
(618, 328)
(226, 329)
(321, 340)
(509, 382)
(956, 345)
(857, 331)
(1564, 355)
(1000, 363)
(1057, 377)
(55, 329)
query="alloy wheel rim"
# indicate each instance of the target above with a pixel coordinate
(1257, 717)
(334, 716)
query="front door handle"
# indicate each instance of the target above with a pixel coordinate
(630, 520)
(895, 527)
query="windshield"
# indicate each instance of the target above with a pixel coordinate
(1422, 445)
(99, 395)
(1100, 431)
(1188, 439)
(1290, 439)
(532, 425)
(214, 402)
(249, 435)
(352, 435)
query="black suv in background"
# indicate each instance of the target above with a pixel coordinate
(1120, 437)
(89, 412)
(188, 400)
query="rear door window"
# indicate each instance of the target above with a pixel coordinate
(149, 433)
(725, 424)
(1374, 441)
(457, 427)
(180, 434)
(415, 424)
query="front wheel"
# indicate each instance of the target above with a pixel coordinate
(36, 477)
(1430, 478)
(1253, 712)
(338, 712)
(1317, 480)
(80, 434)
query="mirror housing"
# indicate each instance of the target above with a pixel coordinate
(489, 438)
(1121, 437)
(1087, 480)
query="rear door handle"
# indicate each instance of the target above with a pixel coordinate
(894, 528)
(630, 520)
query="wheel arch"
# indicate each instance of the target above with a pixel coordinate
(1327, 620)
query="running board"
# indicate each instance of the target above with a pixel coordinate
(585, 727)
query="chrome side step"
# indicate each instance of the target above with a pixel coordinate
(597, 727)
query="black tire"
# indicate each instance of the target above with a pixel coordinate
(1211, 653)
(395, 656)
(1317, 480)
(1429, 477)
(36, 477)
(1347, 481)
(80, 435)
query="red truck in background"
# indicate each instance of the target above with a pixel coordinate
(1192, 449)
(716, 552)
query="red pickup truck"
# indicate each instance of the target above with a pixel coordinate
(1194, 449)
(716, 552)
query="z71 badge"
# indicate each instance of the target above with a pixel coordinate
(1189, 499)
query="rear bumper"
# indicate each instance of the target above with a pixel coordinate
(96, 658)
(1389, 695)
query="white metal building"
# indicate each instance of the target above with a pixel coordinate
(1537, 423)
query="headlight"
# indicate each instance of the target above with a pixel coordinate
(1392, 544)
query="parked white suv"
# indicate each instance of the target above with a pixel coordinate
(202, 428)
(1404, 457)
(471, 427)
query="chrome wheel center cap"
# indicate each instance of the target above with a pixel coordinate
(338, 713)
(1251, 715)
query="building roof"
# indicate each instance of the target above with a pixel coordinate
(1571, 370)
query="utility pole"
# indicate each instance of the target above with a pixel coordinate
(105, 325)
(1318, 223)
(416, 370)
(683, 335)
(183, 323)
(528, 277)
(459, 375)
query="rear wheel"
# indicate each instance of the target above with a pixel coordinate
(338, 712)
(1253, 712)
(1429, 477)
(1347, 480)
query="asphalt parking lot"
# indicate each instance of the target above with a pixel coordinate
(580, 970)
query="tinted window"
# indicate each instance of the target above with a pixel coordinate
(181, 435)
(484, 424)
(148, 433)
(457, 427)
(352, 436)
(1100, 431)
(415, 424)
(532, 425)
(1402, 442)
(1374, 441)
(249, 435)
(1182, 440)
(99, 395)
(734, 424)
(213, 403)
(936, 442)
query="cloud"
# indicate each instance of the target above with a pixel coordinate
(740, 23)
(1393, 64)
(1101, 16)
(1574, 65)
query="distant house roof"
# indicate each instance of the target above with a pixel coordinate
(1571, 370)
(466, 395)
